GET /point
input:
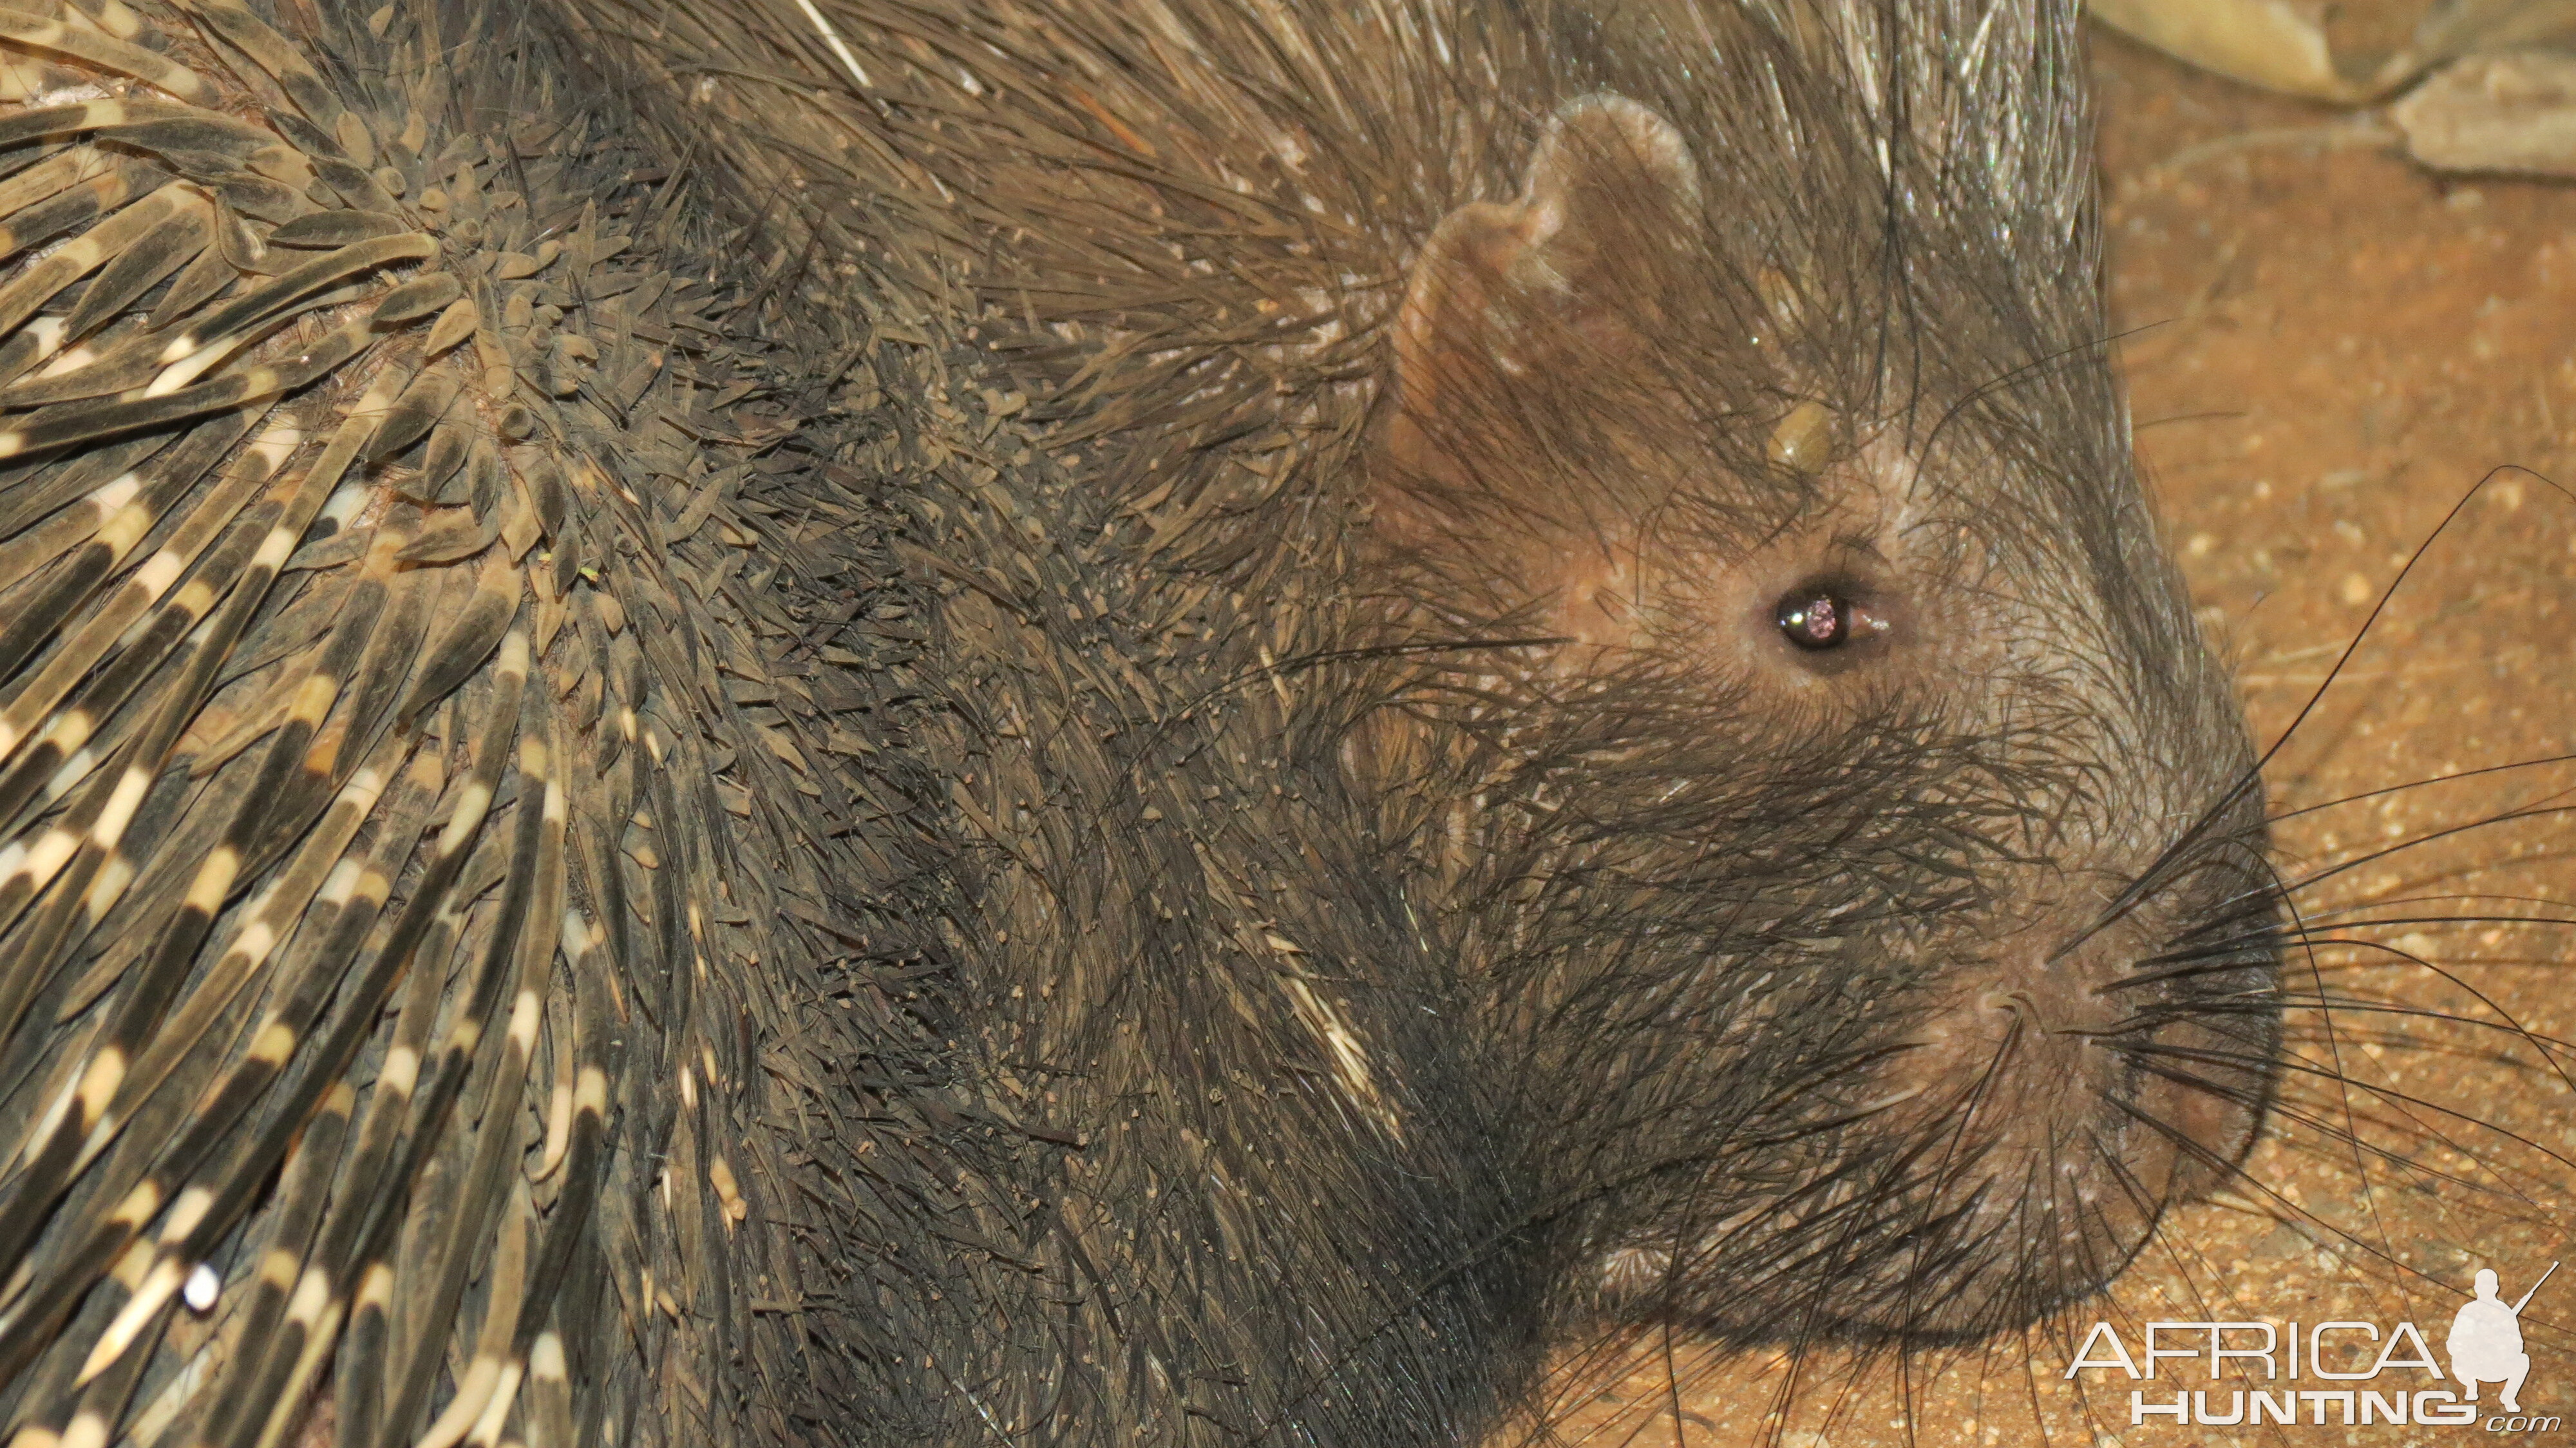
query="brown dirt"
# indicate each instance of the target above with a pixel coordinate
(2327, 349)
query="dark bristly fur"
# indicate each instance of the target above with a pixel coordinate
(1058, 720)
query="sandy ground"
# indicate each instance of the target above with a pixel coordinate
(2327, 350)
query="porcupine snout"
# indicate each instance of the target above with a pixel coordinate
(2095, 1067)
(1955, 1120)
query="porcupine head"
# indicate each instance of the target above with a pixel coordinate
(1865, 851)
(1803, 743)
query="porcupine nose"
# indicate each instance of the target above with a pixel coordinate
(2016, 1061)
(2067, 1105)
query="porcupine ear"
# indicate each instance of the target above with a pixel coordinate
(1511, 308)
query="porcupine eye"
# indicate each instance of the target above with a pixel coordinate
(1816, 618)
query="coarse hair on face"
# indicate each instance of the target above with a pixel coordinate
(1660, 424)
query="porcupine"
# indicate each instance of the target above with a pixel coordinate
(923, 724)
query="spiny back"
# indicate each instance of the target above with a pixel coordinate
(410, 729)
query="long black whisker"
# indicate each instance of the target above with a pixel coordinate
(2149, 879)
(2424, 782)
(2145, 1050)
(2328, 872)
(2481, 997)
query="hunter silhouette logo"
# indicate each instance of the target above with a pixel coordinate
(2486, 1340)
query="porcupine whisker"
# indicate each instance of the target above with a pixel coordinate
(2182, 1141)
(2493, 1182)
(2174, 1248)
(2423, 782)
(2348, 1132)
(2024, 1013)
(2349, 917)
(2214, 957)
(2347, 1135)
(2251, 779)
(2095, 1226)
(2158, 871)
(2220, 1017)
(2298, 1067)
(2251, 948)
(1883, 1206)
(2550, 1046)
(2121, 1176)
(2507, 1022)
(2223, 957)
(1850, 1194)
(2283, 890)
(2191, 965)
(2254, 916)
(2549, 1050)
(2285, 1210)
(2379, 607)
(2555, 902)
